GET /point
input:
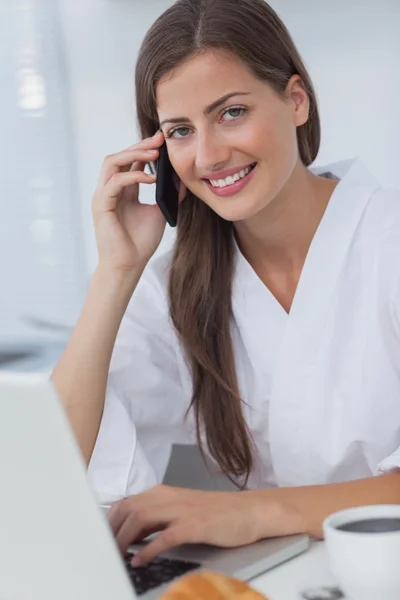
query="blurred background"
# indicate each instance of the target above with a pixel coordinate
(67, 100)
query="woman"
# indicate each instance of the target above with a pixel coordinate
(271, 332)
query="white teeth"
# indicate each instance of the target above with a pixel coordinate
(230, 179)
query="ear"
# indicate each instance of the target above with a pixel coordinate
(297, 94)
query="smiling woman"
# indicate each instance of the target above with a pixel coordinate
(270, 334)
(277, 130)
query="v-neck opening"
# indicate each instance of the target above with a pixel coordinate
(314, 240)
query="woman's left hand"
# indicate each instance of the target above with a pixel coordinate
(225, 519)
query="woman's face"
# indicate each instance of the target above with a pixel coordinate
(237, 155)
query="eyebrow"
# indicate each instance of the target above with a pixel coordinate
(209, 109)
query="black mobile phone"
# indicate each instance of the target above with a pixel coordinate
(167, 194)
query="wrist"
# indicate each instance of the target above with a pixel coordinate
(276, 514)
(110, 292)
(117, 281)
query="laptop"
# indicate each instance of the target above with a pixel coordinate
(55, 542)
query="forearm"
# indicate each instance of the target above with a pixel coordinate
(308, 506)
(81, 373)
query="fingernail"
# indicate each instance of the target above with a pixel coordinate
(136, 561)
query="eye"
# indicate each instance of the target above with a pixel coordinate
(183, 132)
(234, 112)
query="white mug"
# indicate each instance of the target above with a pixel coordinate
(366, 565)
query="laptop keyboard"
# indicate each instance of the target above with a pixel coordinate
(156, 573)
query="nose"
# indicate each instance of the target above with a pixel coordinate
(211, 153)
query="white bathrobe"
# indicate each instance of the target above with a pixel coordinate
(321, 384)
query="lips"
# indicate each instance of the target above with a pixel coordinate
(236, 176)
(229, 172)
(232, 188)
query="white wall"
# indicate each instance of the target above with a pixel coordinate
(102, 40)
(350, 48)
(41, 271)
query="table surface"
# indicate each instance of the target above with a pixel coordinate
(306, 572)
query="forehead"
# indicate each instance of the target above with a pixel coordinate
(200, 81)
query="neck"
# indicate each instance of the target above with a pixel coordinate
(279, 236)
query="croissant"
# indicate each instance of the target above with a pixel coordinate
(208, 585)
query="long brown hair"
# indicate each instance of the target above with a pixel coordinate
(203, 264)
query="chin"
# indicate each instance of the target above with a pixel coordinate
(242, 211)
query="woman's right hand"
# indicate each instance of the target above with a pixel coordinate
(127, 232)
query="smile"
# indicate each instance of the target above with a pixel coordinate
(233, 183)
(232, 178)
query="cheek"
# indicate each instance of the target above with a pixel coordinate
(285, 133)
(272, 139)
(275, 132)
(279, 152)
(182, 161)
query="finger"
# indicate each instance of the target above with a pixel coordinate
(155, 518)
(153, 141)
(122, 510)
(149, 143)
(176, 535)
(109, 196)
(134, 529)
(142, 535)
(118, 513)
(135, 166)
(130, 193)
(138, 522)
(158, 496)
(114, 163)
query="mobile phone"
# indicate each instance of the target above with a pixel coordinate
(167, 194)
